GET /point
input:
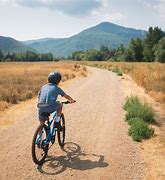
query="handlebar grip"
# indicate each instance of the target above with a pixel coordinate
(66, 102)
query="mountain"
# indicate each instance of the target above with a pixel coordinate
(11, 45)
(108, 34)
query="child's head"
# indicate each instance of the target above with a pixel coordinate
(54, 77)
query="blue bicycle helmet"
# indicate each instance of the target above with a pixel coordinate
(54, 77)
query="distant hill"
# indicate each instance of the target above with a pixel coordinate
(11, 45)
(108, 34)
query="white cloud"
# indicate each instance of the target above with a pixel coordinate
(31, 19)
(107, 16)
(161, 10)
(105, 12)
(71, 7)
(158, 6)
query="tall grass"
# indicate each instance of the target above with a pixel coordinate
(22, 81)
(151, 76)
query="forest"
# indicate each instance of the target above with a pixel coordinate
(149, 49)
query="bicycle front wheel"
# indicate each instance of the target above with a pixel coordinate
(39, 146)
(61, 131)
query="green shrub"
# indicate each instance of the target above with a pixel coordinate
(144, 112)
(138, 115)
(140, 130)
(147, 113)
(130, 121)
(132, 100)
(117, 71)
(135, 108)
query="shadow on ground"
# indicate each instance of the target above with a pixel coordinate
(75, 158)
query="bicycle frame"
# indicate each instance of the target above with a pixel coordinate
(51, 132)
(45, 135)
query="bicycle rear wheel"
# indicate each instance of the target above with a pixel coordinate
(61, 133)
(39, 148)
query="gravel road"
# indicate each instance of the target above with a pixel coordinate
(97, 143)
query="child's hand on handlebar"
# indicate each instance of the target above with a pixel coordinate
(69, 98)
(72, 101)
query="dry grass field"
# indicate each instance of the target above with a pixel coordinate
(22, 81)
(151, 76)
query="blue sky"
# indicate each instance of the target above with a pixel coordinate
(33, 19)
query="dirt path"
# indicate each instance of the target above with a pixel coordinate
(97, 145)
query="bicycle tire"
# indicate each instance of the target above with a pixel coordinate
(61, 133)
(45, 149)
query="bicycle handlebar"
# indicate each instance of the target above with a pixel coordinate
(66, 102)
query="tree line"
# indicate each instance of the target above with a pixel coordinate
(27, 56)
(149, 49)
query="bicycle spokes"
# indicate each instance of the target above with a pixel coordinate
(39, 145)
(44, 136)
(39, 139)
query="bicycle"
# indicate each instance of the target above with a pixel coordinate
(46, 134)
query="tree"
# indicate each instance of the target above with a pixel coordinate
(1, 56)
(31, 56)
(105, 52)
(77, 55)
(9, 57)
(94, 55)
(148, 53)
(152, 38)
(160, 51)
(128, 55)
(135, 49)
(112, 53)
(119, 54)
(46, 57)
(50, 57)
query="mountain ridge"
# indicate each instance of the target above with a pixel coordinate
(11, 45)
(105, 33)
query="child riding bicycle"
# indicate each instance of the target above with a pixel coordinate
(47, 97)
